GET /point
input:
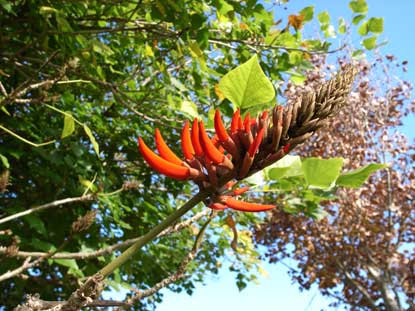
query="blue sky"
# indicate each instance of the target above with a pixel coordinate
(276, 292)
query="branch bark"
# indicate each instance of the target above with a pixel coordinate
(109, 249)
(56, 203)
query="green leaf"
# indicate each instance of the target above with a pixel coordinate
(36, 223)
(190, 108)
(247, 85)
(321, 173)
(288, 166)
(71, 264)
(47, 10)
(7, 6)
(356, 178)
(369, 43)
(68, 125)
(323, 18)
(102, 48)
(375, 25)
(4, 161)
(308, 13)
(92, 139)
(363, 29)
(342, 26)
(358, 54)
(358, 6)
(298, 78)
(358, 18)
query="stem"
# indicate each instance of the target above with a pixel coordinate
(25, 140)
(152, 234)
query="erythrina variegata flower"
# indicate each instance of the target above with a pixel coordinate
(248, 146)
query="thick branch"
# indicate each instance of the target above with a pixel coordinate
(180, 273)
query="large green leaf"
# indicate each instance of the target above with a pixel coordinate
(322, 173)
(358, 6)
(375, 25)
(286, 167)
(68, 125)
(247, 85)
(356, 178)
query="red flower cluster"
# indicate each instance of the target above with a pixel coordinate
(213, 162)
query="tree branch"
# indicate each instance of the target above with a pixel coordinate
(56, 203)
(109, 249)
(180, 273)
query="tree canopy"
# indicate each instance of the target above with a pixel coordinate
(80, 81)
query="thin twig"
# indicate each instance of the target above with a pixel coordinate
(24, 139)
(248, 43)
(46, 206)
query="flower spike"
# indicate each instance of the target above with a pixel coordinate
(164, 150)
(187, 146)
(161, 165)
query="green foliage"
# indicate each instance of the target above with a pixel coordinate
(247, 85)
(302, 185)
(356, 178)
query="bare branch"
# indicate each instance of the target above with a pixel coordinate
(33, 302)
(56, 203)
(109, 249)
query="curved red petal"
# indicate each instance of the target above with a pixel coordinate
(219, 127)
(218, 206)
(164, 150)
(247, 122)
(208, 147)
(234, 122)
(161, 165)
(253, 148)
(240, 191)
(247, 207)
(187, 146)
(195, 138)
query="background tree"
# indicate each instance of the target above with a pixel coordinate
(362, 252)
(79, 82)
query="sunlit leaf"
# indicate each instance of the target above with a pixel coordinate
(68, 125)
(92, 139)
(369, 43)
(247, 85)
(308, 13)
(321, 173)
(375, 25)
(190, 108)
(358, 6)
(356, 178)
(4, 161)
(288, 166)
